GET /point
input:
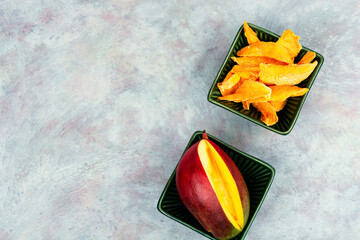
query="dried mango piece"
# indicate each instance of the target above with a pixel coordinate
(254, 70)
(247, 75)
(229, 86)
(248, 90)
(250, 34)
(291, 42)
(278, 105)
(230, 73)
(254, 76)
(240, 68)
(267, 49)
(286, 74)
(307, 58)
(254, 88)
(255, 61)
(259, 99)
(246, 105)
(281, 93)
(268, 113)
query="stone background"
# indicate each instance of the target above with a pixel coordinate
(98, 100)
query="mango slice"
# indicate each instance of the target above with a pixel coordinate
(307, 58)
(285, 75)
(240, 68)
(250, 34)
(228, 75)
(246, 105)
(268, 113)
(267, 49)
(278, 105)
(281, 93)
(222, 182)
(255, 61)
(248, 90)
(291, 42)
(229, 86)
(246, 75)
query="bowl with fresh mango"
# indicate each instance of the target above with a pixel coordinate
(266, 78)
(216, 189)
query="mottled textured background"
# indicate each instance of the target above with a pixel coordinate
(98, 100)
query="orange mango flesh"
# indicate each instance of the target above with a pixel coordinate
(268, 113)
(222, 182)
(250, 34)
(228, 86)
(267, 49)
(307, 58)
(255, 61)
(259, 99)
(228, 75)
(278, 105)
(285, 75)
(291, 42)
(281, 93)
(246, 105)
(248, 75)
(231, 84)
(249, 89)
(240, 68)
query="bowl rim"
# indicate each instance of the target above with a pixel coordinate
(250, 220)
(228, 55)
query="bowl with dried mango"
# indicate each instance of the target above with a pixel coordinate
(266, 78)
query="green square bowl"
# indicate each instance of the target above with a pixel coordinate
(289, 115)
(257, 174)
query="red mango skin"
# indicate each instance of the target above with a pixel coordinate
(199, 198)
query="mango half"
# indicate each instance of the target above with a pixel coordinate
(213, 189)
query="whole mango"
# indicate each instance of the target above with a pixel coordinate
(213, 189)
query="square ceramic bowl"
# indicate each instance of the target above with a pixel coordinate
(289, 115)
(257, 174)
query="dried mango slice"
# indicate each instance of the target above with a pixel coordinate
(291, 42)
(240, 68)
(307, 58)
(286, 74)
(278, 105)
(254, 70)
(281, 93)
(248, 90)
(250, 34)
(255, 61)
(267, 49)
(229, 86)
(230, 73)
(246, 105)
(268, 113)
(247, 75)
(259, 99)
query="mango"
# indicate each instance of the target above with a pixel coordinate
(213, 189)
